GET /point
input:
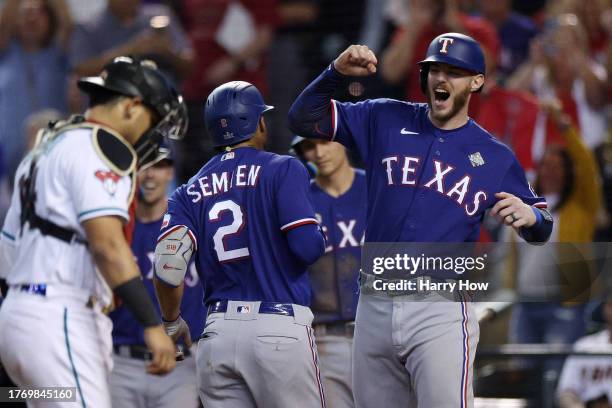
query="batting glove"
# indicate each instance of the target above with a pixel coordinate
(177, 329)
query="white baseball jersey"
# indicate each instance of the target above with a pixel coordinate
(589, 377)
(74, 182)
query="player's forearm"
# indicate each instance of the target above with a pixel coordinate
(110, 250)
(115, 261)
(539, 232)
(311, 113)
(169, 298)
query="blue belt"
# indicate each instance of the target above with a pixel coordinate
(283, 309)
(33, 288)
(40, 289)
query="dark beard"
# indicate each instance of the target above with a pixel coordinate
(458, 104)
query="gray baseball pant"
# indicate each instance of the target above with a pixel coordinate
(414, 351)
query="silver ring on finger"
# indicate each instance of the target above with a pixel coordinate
(514, 217)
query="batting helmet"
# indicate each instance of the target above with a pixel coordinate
(454, 49)
(131, 77)
(233, 111)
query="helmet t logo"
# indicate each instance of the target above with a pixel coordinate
(445, 41)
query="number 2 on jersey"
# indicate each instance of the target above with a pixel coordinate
(223, 254)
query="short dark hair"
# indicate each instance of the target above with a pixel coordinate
(103, 97)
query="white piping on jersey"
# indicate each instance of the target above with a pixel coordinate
(299, 222)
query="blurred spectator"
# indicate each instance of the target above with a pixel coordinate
(512, 116)
(33, 69)
(36, 121)
(559, 67)
(603, 153)
(567, 177)
(586, 382)
(83, 11)
(515, 31)
(230, 40)
(593, 14)
(288, 71)
(127, 27)
(426, 20)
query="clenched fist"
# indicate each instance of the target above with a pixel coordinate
(356, 60)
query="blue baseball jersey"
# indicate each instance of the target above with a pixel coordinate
(238, 209)
(126, 329)
(426, 184)
(334, 276)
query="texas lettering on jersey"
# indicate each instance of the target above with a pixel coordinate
(401, 170)
(347, 238)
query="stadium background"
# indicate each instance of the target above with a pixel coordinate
(548, 96)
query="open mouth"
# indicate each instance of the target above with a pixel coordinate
(441, 95)
(149, 186)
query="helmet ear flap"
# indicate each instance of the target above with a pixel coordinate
(423, 73)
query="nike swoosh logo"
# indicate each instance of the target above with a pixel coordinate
(170, 268)
(407, 132)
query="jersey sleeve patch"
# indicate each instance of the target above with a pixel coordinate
(118, 154)
(175, 228)
(298, 223)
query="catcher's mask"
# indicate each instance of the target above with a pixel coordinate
(131, 77)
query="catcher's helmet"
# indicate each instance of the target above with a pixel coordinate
(131, 77)
(232, 112)
(454, 49)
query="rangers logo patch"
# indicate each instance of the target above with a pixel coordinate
(109, 180)
(243, 309)
(476, 159)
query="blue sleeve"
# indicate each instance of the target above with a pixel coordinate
(178, 214)
(314, 114)
(307, 243)
(516, 183)
(311, 113)
(293, 203)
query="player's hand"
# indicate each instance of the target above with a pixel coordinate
(178, 329)
(162, 348)
(512, 211)
(356, 60)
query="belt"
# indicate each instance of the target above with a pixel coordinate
(283, 309)
(346, 329)
(140, 351)
(40, 289)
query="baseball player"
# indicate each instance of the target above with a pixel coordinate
(338, 193)
(64, 234)
(131, 385)
(247, 218)
(432, 172)
(587, 381)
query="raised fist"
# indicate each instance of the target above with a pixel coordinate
(356, 60)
